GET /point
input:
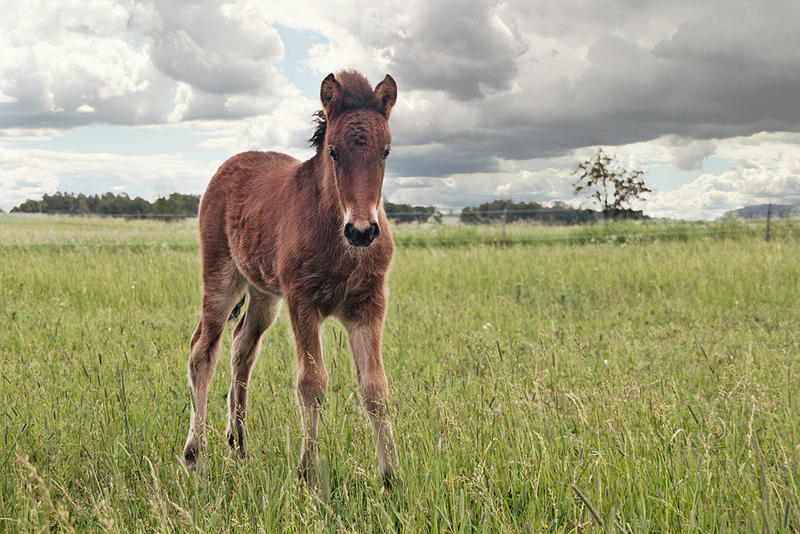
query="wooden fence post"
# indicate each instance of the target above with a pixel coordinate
(769, 219)
(505, 217)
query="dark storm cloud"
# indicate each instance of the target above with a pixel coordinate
(439, 160)
(732, 70)
(463, 48)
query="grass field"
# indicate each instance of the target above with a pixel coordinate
(639, 376)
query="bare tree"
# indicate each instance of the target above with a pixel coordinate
(609, 183)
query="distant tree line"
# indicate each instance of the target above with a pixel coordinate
(174, 206)
(560, 213)
(178, 205)
(408, 213)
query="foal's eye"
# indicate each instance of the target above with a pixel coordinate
(334, 155)
(386, 153)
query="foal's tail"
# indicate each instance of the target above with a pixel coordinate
(236, 309)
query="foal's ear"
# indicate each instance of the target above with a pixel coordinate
(386, 94)
(330, 94)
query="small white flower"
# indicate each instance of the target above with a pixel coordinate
(487, 326)
(109, 329)
(133, 286)
(605, 362)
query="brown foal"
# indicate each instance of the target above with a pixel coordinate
(315, 234)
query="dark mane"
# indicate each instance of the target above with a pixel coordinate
(321, 124)
(356, 93)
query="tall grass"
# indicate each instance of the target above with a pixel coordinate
(646, 384)
(617, 232)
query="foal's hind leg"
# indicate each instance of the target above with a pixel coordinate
(261, 313)
(222, 289)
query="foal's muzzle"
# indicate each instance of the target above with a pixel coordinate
(361, 237)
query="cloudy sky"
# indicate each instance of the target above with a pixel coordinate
(496, 100)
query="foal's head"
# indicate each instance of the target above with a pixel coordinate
(353, 137)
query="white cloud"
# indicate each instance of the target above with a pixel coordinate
(766, 168)
(689, 154)
(710, 196)
(21, 181)
(57, 57)
(223, 56)
(29, 173)
(29, 134)
(541, 180)
(125, 59)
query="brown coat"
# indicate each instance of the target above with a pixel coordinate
(314, 234)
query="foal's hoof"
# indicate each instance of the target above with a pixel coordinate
(303, 473)
(307, 472)
(392, 481)
(236, 448)
(190, 456)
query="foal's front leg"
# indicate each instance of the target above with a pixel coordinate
(312, 381)
(364, 335)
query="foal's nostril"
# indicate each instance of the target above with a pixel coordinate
(349, 230)
(360, 238)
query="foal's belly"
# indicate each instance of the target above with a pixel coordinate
(260, 274)
(255, 263)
